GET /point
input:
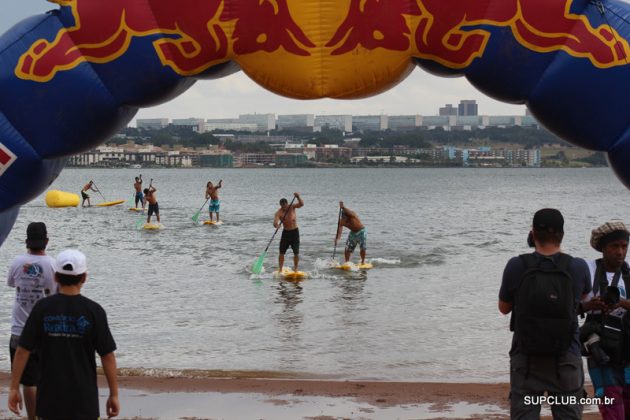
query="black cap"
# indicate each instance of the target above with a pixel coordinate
(36, 235)
(549, 220)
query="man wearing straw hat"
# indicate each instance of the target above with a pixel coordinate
(605, 330)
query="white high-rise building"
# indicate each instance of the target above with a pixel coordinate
(296, 121)
(265, 122)
(152, 123)
(196, 124)
(404, 122)
(370, 122)
(338, 122)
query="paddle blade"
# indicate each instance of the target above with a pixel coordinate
(195, 218)
(257, 267)
(139, 223)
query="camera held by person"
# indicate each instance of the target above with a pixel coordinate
(589, 336)
(602, 335)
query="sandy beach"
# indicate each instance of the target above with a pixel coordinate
(242, 396)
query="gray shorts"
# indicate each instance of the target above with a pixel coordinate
(533, 376)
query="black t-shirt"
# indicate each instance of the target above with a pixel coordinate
(66, 331)
(516, 268)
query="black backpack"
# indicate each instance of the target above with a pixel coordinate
(544, 318)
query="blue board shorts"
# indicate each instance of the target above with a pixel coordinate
(214, 206)
(138, 195)
(355, 238)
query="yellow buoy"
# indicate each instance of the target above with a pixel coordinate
(56, 198)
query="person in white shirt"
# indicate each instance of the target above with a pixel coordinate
(32, 276)
(604, 332)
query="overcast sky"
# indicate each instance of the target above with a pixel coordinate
(421, 93)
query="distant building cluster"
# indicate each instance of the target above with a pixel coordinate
(289, 154)
(288, 151)
(463, 117)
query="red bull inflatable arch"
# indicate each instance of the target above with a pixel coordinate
(73, 77)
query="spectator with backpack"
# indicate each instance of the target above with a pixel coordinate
(542, 290)
(605, 331)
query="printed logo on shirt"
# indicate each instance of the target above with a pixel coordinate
(66, 326)
(32, 270)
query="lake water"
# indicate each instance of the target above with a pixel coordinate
(182, 298)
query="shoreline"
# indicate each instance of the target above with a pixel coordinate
(236, 397)
(375, 166)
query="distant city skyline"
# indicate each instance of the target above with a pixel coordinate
(420, 93)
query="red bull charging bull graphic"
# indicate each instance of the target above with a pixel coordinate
(83, 70)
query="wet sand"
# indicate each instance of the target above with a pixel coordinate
(246, 397)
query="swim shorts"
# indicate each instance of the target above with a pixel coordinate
(355, 238)
(290, 238)
(214, 206)
(153, 208)
(84, 195)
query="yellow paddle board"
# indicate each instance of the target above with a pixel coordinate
(152, 226)
(135, 209)
(109, 203)
(350, 266)
(212, 222)
(287, 273)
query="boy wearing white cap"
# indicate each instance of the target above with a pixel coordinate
(67, 329)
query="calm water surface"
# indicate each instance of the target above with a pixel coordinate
(182, 298)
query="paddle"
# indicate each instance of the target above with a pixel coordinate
(257, 267)
(140, 221)
(195, 218)
(98, 190)
(338, 220)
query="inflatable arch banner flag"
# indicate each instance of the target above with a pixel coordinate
(73, 77)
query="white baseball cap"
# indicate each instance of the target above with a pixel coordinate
(72, 262)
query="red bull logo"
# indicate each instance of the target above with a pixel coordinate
(451, 32)
(279, 28)
(192, 40)
(318, 40)
(6, 158)
(374, 24)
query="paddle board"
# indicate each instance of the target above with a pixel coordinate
(350, 266)
(109, 203)
(152, 226)
(212, 222)
(287, 273)
(135, 209)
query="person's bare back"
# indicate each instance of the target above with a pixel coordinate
(350, 220)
